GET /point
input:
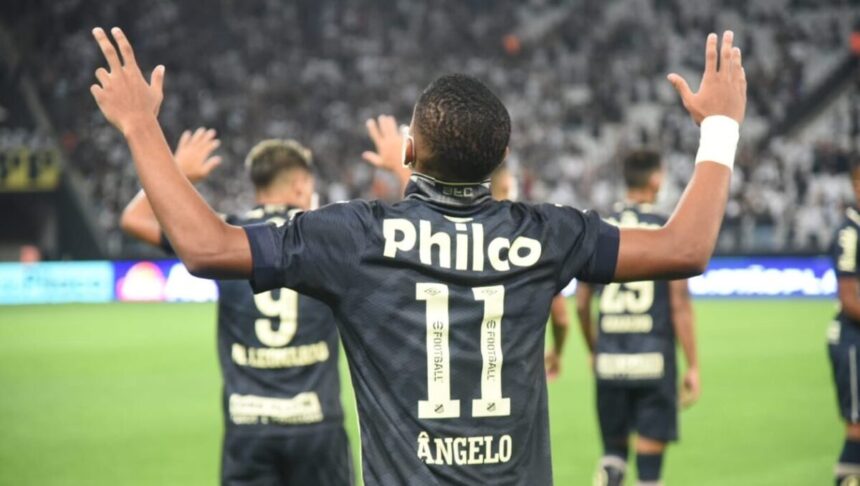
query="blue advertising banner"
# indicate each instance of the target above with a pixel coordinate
(766, 277)
(762, 277)
(169, 281)
(56, 282)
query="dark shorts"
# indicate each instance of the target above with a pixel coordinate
(650, 411)
(321, 457)
(843, 361)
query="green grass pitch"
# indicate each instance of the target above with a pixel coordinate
(129, 394)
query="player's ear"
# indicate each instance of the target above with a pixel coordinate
(408, 151)
(507, 152)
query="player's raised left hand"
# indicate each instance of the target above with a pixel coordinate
(692, 388)
(122, 93)
(389, 141)
(723, 90)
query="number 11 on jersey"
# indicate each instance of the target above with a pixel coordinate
(439, 403)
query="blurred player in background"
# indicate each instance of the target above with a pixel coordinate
(441, 299)
(633, 349)
(844, 338)
(278, 350)
(504, 187)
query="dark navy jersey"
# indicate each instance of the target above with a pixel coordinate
(635, 334)
(278, 352)
(844, 254)
(442, 301)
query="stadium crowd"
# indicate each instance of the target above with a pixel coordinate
(584, 81)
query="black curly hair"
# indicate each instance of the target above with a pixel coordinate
(464, 128)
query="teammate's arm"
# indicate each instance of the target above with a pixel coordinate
(584, 293)
(560, 324)
(683, 321)
(208, 246)
(684, 245)
(388, 141)
(139, 221)
(849, 297)
(193, 155)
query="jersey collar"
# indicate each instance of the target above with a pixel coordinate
(261, 211)
(274, 208)
(456, 194)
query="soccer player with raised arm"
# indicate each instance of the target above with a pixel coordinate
(442, 298)
(278, 350)
(844, 337)
(633, 349)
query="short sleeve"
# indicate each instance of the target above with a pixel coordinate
(588, 245)
(845, 251)
(315, 254)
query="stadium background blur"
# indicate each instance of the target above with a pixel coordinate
(127, 393)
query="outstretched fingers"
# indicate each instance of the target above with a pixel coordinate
(107, 49)
(681, 87)
(156, 80)
(388, 126)
(726, 52)
(373, 131)
(97, 92)
(372, 158)
(737, 64)
(211, 163)
(124, 47)
(184, 139)
(102, 76)
(213, 143)
(711, 54)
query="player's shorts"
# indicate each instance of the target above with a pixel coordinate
(319, 457)
(650, 411)
(843, 361)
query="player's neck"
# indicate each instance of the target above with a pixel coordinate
(641, 196)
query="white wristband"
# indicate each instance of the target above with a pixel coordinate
(718, 140)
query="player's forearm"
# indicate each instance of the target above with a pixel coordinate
(685, 331)
(208, 246)
(583, 313)
(683, 247)
(139, 221)
(560, 323)
(559, 337)
(585, 326)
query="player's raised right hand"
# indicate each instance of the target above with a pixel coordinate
(723, 90)
(123, 95)
(194, 153)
